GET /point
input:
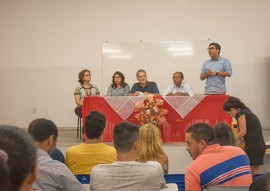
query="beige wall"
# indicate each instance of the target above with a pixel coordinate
(45, 43)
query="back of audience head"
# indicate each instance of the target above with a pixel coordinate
(261, 183)
(124, 136)
(94, 124)
(224, 134)
(43, 129)
(150, 142)
(17, 159)
(198, 137)
(202, 131)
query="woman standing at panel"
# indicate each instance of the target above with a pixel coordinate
(151, 146)
(249, 129)
(85, 89)
(118, 87)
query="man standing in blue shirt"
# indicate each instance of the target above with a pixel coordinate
(215, 71)
(143, 87)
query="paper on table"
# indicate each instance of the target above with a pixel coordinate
(141, 94)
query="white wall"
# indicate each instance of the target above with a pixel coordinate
(44, 44)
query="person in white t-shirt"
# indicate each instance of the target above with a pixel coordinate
(127, 174)
(178, 88)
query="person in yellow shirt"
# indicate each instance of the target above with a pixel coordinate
(81, 158)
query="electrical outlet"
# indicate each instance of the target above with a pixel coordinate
(34, 110)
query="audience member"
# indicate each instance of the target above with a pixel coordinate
(151, 146)
(143, 86)
(224, 135)
(83, 157)
(215, 71)
(126, 173)
(18, 168)
(178, 88)
(261, 183)
(56, 154)
(85, 89)
(52, 174)
(118, 87)
(250, 129)
(214, 164)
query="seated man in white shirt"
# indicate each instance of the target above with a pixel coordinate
(52, 175)
(127, 174)
(178, 88)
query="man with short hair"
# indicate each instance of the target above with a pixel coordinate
(178, 88)
(214, 164)
(143, 87)
(83, 157)
(126, 173)
(52, 175)
(215, 71)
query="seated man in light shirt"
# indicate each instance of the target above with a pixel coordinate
(178, 88)
(52, 175)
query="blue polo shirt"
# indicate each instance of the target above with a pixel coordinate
(151, 87)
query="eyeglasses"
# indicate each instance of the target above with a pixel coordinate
(87, 74)
(177, 77)
(212, 48)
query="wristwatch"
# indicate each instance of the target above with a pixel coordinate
(216, 73)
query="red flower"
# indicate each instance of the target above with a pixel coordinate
(150, 110)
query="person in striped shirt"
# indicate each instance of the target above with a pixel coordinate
(214, 164)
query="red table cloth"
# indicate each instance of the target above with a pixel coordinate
(183, 111)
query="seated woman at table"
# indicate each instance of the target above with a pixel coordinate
(151, 146)
(118, 87)
(85, 89)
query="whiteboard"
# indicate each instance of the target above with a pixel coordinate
(159, 59)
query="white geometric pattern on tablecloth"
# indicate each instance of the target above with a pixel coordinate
(123, 105)
(183, 105)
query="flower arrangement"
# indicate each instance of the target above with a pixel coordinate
(150, 110)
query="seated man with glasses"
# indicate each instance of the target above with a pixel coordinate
(178, 88)
(215, 71)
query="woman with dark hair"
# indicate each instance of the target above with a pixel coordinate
(85, 89)
(249, 128)
(18, 158)
(224, 134)
(118, 87)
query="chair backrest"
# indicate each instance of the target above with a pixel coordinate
(227, 188)
(170, 187)
(83, 178)
(178, 179)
